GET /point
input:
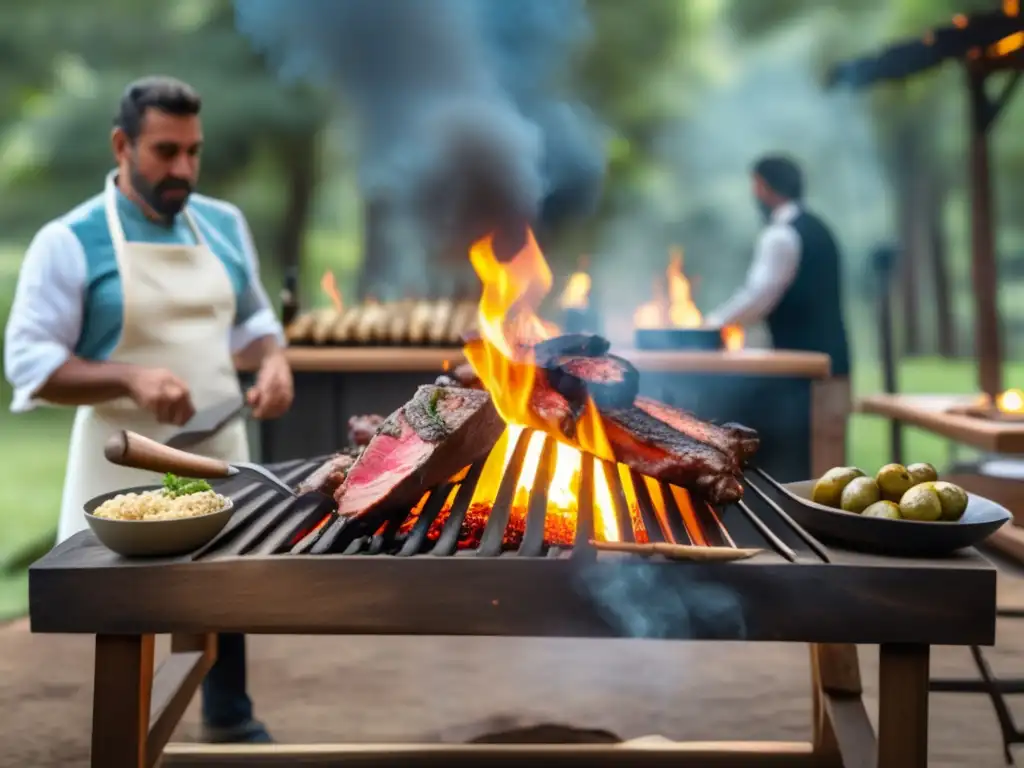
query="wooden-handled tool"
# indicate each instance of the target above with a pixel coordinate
(129, 449)
(677, 551)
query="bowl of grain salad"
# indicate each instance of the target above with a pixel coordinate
(175, 518)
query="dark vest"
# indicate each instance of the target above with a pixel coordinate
(810, 316)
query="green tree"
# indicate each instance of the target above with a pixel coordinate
(920, 124)
(78, 58)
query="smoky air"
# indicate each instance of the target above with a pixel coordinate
(461, 106)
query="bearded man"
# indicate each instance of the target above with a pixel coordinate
(134, 308)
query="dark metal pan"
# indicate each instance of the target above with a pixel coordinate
(908, 538)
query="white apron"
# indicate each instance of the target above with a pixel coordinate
(179, 307)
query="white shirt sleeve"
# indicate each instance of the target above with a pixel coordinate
(775, 265)
(262, 322)
(46, 316)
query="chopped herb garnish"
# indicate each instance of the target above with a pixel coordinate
(175, 486)
(432, 412)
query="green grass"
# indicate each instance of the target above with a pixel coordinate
(33, 446)
(32, 459)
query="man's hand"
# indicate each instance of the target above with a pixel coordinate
(272, 393)
(163, 394)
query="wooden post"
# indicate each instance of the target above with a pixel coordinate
(122, 688)
(903, 706)
(884, 260)
(987, 331)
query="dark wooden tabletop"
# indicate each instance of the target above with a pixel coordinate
(81, 587)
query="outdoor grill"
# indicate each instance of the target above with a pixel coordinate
(515, 568)
(450, 520)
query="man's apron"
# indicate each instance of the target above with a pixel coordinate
(179, 308)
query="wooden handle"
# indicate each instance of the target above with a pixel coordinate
(677, 551)
(130, 449)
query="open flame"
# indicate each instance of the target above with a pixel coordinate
(673, 307)
(576, 294)
(330, 287)
(1010, 401)
(503, 358)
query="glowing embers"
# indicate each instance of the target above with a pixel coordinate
(534, 496)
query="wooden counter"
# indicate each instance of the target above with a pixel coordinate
(931, 412)
(753, 362)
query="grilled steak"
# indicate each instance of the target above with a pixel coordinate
(555, 411)
(657, 450)
(361, 429)
(734, 440)
(329, 476)
(608, 380)
(423, 443)
(570, 345)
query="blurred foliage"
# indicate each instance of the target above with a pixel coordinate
(648, 73)
(921, 124)
(67, 64)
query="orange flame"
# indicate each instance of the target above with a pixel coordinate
(1010, 401)
(733, 338)
(675, 307)
(576, 294)
(1008, 45)
(682, 312)
(503, 358)
(330, 287)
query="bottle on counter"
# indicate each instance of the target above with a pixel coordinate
(290, 296)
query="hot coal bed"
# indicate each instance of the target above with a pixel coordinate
(483, 552)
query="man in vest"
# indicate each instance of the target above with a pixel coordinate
(794, 283)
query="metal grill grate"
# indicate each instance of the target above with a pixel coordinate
(446, 523)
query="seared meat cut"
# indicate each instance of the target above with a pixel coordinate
(610, 381)
(570, 345)
(422, 444)
(558, 414)
(656, 449)
(361, 429)
(652, 447)
(736, 441)
(329, 476)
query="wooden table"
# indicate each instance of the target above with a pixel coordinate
(931, 413)
(902, 606)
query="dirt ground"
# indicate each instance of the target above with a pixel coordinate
(451, 689)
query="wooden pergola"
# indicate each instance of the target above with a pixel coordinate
(984, 44)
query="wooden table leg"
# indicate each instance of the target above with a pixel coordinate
(903, 706)
(842, 731)
(122, 685)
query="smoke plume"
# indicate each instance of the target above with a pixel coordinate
(461, 121)
(645, 601)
